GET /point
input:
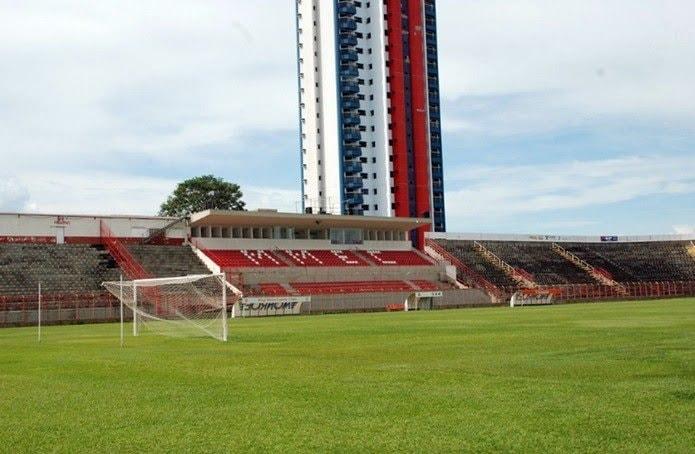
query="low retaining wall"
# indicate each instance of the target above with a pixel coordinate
(375, 302)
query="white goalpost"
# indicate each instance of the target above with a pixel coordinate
(191, 306)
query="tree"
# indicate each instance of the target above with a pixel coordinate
(202, 193)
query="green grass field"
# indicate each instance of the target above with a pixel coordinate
(585, 377)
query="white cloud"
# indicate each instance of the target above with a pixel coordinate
(96, 192)
(507, 191)
(159, 78)
(13, 195)
(109, 193)
(684, 229)
(275, 198)
(573, 62)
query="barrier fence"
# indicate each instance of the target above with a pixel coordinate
(92, 307)
(629, 290)
(58, 308)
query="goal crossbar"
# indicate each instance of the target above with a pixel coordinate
(178, 306)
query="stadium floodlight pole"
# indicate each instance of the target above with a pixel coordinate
(135, 309)
(120, 299)
(223, 278)
(39, 314)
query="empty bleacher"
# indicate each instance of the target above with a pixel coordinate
(466, 253)
(639, 261)
(59, 268)
(168, 261)
(540, 260)
(641, 269)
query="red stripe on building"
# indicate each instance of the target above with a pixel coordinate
(418, 84)
(397, 98)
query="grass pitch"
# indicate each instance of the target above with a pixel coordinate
(590, 377)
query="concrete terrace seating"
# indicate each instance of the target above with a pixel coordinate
(65, 268)
(545, 265)
(639, 261)
(397, 258)
(244, 258)
(466, 253)
(324, 258)
(168, 261)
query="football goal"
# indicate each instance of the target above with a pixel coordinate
(178, 306)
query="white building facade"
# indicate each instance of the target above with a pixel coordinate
(369, 110)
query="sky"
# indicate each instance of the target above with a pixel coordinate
(558, 116)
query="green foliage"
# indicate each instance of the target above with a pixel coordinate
(202, 193)
(575, 378)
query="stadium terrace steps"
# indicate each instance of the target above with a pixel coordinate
(465, 252)
(691, 249)
(600, 275)
(168, 261)
(539, 259)
(523, 278)
(622, 263)
(65, 268)
(640, 261)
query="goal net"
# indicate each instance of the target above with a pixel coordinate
(179, 306)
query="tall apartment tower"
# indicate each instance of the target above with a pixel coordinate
(369, 108)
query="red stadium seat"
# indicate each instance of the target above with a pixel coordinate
(318, 288)
(244, 258)
(324, 258)
(398, 258)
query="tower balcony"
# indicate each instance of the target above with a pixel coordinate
(347, 25)
(349, 71)
(351, 120)
(348, 40)
(352, 183)
(354, 199)
(352, 152)
(347, 56)
(349, 88)
(429, 10)
(346, 9)
(351, 135)
(350, 103)
(352, 167)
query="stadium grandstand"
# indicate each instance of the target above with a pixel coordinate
(342, 263)
(572, 267)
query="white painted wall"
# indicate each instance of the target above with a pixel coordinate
(39, 225)
(555, 238)
(268, 244)
(321, 150)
